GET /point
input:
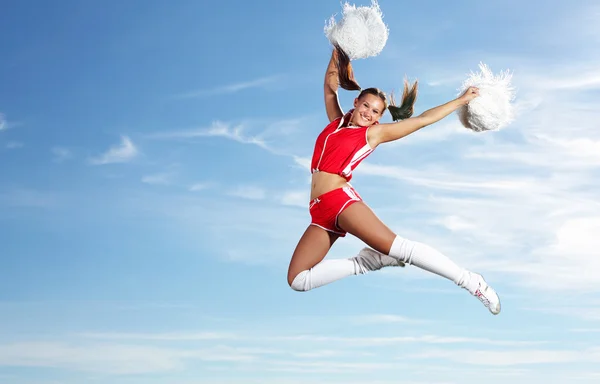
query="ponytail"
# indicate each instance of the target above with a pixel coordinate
(406, 109)
(345, 72)
(349, 83)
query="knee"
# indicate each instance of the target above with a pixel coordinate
(291, 284)
(290, 280)
(298, 282)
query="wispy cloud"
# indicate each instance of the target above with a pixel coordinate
(585, 330)
(449, 181)
(296, 198)
(303, 162)
(282, 137)
(112, 359)
(514, 357)
(14, 145)
(196, 187)
(178, 336)
(164, 352)
(541, 150)
(157, 179)
(249, 192)
(61, 154)
(217, 129)
(6, 125)
(230, 88)
(588, 313)
(118, 359)
(3, 124)
(394, 340)
(122, 153)
(383, 319)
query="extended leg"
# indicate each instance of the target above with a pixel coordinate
(360, 221)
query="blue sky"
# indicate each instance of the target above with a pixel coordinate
(154, 182)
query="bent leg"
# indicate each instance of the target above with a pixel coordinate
(311, 249)
(308, 270)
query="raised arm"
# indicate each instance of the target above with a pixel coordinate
(383, 133)
(332, 103)
(339, 74)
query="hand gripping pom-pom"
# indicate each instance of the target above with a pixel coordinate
(361, 32)
(492, 109)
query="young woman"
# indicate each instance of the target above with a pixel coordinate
(336, 208)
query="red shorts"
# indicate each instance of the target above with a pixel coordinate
(325, 209)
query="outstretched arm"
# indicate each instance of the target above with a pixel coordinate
(383, 133)
(332, 103)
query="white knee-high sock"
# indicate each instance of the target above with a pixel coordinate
(427, 258)
(328, 271)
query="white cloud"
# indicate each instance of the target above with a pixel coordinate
(157, 179)
(558, 153)
(122, 153)
(450, 181)
(382, 319)
(585, 330)
(112, 359)
(324, 353)
(581, 147)
(589, 312)
(456, 223)
(543, 236)
(327, 366)
(264, 349)
(120, 359)
(231, 88)
(282, 137)
(217, 129)
(303, 162)
(576, 77)
(6, 125)
(395, 340)
(296, 198)
(61, 154)
(569, 262)
(177, 336)
(248, 192)
(201, 186)
(514, 357)
(14, 145)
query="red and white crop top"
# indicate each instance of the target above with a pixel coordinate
(340, 148)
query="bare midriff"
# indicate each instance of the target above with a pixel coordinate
(323, 182)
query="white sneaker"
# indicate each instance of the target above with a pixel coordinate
(371, 260)
(486, 294)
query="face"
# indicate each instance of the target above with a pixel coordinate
(367, 110)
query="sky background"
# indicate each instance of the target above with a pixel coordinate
(154, 183)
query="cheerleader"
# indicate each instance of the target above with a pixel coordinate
(336, 208)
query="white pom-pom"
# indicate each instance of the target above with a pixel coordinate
(493, 109)
(361, 33)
